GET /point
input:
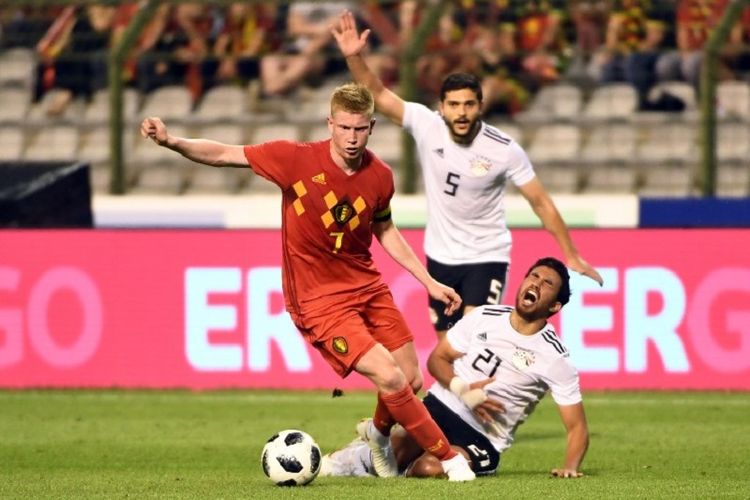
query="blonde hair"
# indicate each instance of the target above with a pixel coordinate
(352, 98)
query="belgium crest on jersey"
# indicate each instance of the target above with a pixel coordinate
(340, 345)
(342, 212)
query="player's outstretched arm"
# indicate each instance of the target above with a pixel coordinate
(352, 43)
(215, 154)
(574, 419)
(395, 245)
(545, 209)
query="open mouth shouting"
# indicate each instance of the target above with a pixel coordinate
(462, 125)
(530, 297)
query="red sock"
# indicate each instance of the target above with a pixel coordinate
(409, 411)
(383, 420)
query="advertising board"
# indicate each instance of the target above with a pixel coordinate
(203, 309)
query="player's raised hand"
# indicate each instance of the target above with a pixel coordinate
(153, 128)
(345, 32)
(577, 264)
(566, 473)
(446, 295)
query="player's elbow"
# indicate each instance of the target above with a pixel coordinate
(432, 364)
(229, 156)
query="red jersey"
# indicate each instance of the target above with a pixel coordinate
(327, 219)
(699, 18)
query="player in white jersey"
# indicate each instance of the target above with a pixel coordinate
(491, 370)
(465, 166)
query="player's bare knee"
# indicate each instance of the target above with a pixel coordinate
(391, 379)
(425, 466)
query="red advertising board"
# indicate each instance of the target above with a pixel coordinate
(203, 309)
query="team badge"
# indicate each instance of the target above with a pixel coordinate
(342, 212)
(340, 345)
(523, 359)
(480, 166)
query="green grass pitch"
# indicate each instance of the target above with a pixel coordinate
(180, 444)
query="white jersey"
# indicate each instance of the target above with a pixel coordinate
(525, 367)
(465, 186)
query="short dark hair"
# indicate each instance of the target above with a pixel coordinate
(458, 81)
(563, 296)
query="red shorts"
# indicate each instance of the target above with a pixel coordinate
(347, 333)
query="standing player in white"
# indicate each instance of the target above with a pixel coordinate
(491, 370)
(465, 165)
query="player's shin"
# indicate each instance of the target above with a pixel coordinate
(407, 410)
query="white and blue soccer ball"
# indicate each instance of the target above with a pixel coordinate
(291, 458)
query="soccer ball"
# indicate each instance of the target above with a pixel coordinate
(291, 458)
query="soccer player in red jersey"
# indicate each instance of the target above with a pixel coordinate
(336, 196)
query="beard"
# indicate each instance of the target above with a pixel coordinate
(465, 137)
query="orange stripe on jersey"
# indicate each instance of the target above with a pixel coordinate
(299, 188)
(330, 199)
(327, 219)
(359, 206)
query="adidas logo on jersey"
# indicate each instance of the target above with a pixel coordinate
(319, 179)
(482, 336)
(439, 152)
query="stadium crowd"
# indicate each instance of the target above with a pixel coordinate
(516, 46)
(586, 86)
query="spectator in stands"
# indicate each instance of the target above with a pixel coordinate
(147, 39)
(73, 54)
(181, 46)
(304, 56)
(695, 21)
(442, 52)
(392, 24)
(736, 52)
(495, 59)
(470, 37)
(589, 18)
(635, 36)
(521, 50)
(541, 40)
(25, 25)
(247, 34)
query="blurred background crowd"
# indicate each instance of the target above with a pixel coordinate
(601, 93)
(516, 46)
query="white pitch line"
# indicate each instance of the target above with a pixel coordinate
(666, 401)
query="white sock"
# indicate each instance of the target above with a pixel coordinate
(355, 460)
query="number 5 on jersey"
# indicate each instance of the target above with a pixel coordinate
(452, 181)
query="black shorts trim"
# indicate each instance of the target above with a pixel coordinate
(477, 284)
(484, 457)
